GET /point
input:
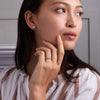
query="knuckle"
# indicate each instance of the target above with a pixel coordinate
(44, 67)
(49, 66)
(48, 50)
(62, 53)
(42, 53)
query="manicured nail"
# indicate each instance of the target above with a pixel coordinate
(37, 49)
(59, 37)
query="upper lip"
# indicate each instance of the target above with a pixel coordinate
(70, 33)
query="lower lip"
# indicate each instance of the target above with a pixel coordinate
(71, 37)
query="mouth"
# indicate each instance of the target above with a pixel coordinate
(70, 35)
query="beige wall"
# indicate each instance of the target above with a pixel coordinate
(9, 13)
(87, 48)
(8, 21)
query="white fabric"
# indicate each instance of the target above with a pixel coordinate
(14, 86)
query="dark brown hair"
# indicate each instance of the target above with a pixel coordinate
(26, 42)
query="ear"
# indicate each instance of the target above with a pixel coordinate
(30, 19)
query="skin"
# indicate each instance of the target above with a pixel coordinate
(52, 21)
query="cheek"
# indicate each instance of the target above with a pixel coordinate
(80, 26)
(49, 27)
(48, 24)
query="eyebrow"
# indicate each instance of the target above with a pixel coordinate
(64, 3)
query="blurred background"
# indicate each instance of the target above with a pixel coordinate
(87, 47)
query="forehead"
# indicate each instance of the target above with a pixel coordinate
(70, 2)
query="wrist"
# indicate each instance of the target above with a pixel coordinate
(37, 93)
(37, 89)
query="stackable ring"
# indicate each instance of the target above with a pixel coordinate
(48, 58)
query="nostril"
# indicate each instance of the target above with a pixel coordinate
(69, 26)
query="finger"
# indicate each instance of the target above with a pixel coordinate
(60, 49)
(53, 50)
(41, 55)
(47, 51)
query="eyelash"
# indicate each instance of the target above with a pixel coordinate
(80, 13)
(59, 10)
(63, 11)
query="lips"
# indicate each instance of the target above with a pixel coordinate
(70, 35)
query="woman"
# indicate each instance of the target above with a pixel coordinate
(47, 67)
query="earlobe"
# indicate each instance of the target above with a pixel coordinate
(30, 20)
(34, 27)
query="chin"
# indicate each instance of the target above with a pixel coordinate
(69, 47)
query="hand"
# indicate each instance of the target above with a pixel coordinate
(48, 65)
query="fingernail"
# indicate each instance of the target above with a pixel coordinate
(59, 37)
(37, 49)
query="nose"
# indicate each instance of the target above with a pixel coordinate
(71, 22)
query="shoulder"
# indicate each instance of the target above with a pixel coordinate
(13, 82)
(6, 72)
(88, 84)
(10, 72)
(87, 76)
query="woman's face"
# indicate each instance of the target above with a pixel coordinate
(59, 17)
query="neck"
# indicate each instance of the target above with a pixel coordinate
(31, 65)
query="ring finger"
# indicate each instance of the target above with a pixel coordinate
(47, 51)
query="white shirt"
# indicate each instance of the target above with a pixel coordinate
(14, 86)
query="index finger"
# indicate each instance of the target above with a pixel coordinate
(60, 49)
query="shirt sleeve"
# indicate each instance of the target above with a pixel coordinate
(89, 85)
(13, 84)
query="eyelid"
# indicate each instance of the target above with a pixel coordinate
(81, 13)
(59, 9)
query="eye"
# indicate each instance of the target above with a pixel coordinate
(60, 10)
(79, 13)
